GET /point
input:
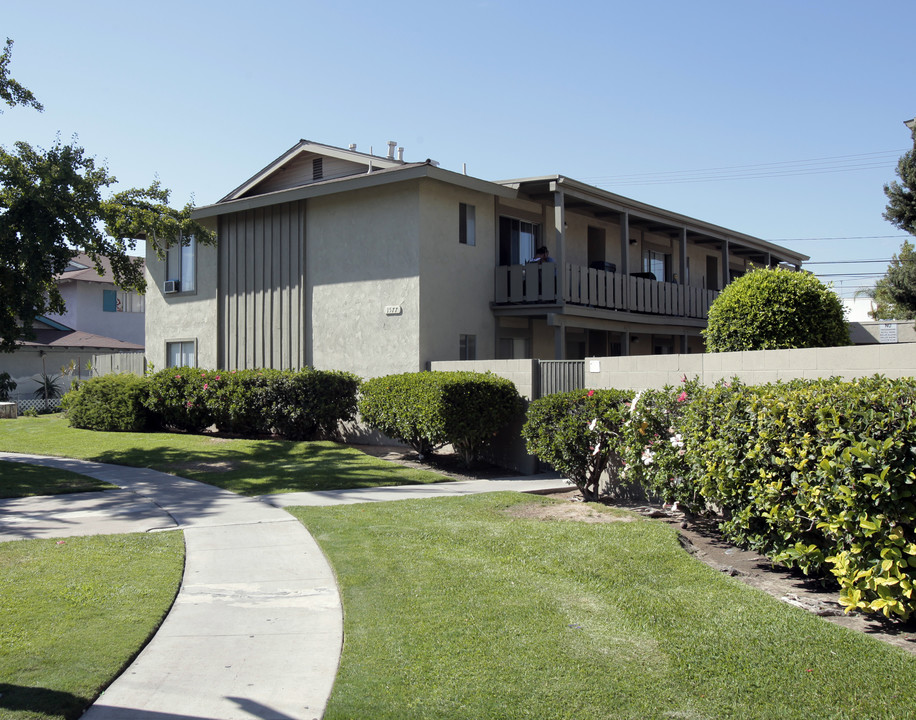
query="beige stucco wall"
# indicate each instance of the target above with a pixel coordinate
(180, 317)
(362, 256)
(456, 285)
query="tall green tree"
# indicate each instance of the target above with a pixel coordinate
(895, 293)
(52, 208)
(12, 92)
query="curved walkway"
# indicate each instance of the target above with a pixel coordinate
(256, 629)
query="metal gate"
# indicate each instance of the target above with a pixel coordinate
(558, 376)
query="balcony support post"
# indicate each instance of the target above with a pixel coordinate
(559, 242)
(682, 258)
(726, 270)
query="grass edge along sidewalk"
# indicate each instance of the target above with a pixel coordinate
(60, 601)
(247, 467)
(474, 607)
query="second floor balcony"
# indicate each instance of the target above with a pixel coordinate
(599, 289)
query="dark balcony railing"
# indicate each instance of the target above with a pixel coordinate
(533, 283)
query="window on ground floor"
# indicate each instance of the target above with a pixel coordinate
(467, 347)
(182, 353)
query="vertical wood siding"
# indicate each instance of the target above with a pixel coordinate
(262, 288)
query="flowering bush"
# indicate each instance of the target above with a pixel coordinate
(655, 445)
(178, 399)
(580, 434)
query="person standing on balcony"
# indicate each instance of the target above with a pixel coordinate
(542, 255)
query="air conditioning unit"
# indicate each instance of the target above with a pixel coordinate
(170, 286)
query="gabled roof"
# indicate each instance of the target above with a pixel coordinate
(366, 160)
(77, 339)
(82, 267)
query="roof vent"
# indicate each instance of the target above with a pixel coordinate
(401, 154)
(353, 146)
(392, 144)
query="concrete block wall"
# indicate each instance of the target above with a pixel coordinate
(508, 448)
(524, 373)
(754, 368)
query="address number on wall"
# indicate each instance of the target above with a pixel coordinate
(393, 310)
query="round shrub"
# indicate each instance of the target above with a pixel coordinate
(773, 308)
(108, 403)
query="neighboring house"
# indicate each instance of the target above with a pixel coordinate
(54, 348)
(96, 305)
(339, 259)
(99, 319)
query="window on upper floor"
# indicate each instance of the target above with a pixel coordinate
(518, 240)
(657, 263)
(182, 353)
(120, 301)
(181, 265)
(467, 224)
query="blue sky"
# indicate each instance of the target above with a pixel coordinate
(779, 119)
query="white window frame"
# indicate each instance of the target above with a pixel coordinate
(186, 353)
(467, 224)
(181, 265)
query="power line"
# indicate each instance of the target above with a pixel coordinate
(843, 262)
(850, 237)
(833, 164)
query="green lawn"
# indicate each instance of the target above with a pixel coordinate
(73, 612)
(248, 467)
(457, 608)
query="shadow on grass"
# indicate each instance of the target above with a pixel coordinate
(262, 467)
(40, 701)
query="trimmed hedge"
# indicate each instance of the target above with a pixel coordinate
(580, 434)
(310, 404)
(426, 410)
(296, 405)
(816, 474)
(109, 403)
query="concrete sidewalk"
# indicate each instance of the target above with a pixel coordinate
(257, 627)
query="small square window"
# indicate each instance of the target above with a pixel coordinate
(467, 224)
(181, 354)
(467, 347)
